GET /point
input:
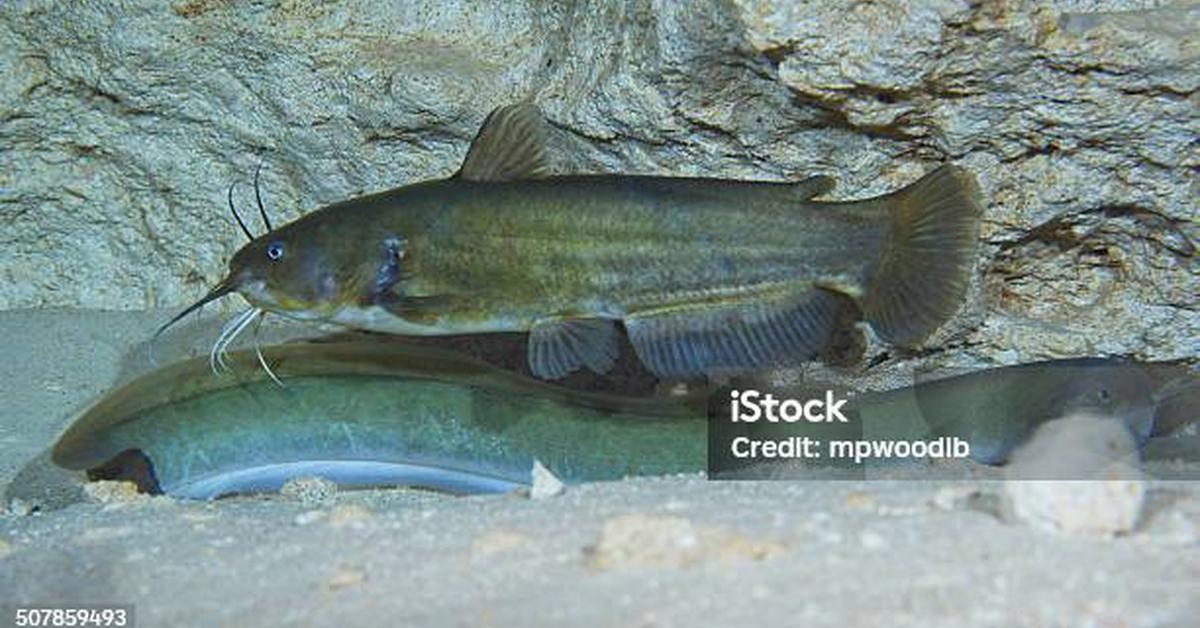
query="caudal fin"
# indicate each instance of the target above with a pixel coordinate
(925, 266)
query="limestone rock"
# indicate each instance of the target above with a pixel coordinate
(124, 123)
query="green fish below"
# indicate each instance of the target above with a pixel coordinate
(366, 414)
(372, 414)
(704, 275)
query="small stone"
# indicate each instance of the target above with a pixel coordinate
(1078, 475)
(545, 484)
(350, 516)
(498, 541)
(112, 492)
(18, 507)
(345, 578)
(643, 540)
(309, 490)
(858, 500)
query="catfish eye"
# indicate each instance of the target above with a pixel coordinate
(1104, 395)
(275, 251)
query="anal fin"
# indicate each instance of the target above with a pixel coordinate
(560, 346)
(755, 333)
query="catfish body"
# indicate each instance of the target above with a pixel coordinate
(705, 275)
(505, 256)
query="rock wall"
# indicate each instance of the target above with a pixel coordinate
(122, 126)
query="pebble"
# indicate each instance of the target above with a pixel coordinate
(112, 492)
(1078, 475)
(309, 490)
(345, 578)
(545, 484)
(653, 540)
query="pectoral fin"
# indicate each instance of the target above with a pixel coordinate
(755, 333)
(559, 347)
(509, 146)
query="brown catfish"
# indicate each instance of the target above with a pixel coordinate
(706, 275)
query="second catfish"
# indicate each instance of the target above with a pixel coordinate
(706, 275)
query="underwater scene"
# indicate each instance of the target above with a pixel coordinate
(605, 312)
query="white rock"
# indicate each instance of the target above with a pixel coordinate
(112, 492)
(544, 483)
(1077, 475)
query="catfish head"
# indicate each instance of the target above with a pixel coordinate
(309, 269)
(304, 271)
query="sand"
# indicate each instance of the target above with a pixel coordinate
(651, 551)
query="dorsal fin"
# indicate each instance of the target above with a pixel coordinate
(510, 145)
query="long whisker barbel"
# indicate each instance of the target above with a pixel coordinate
(262, 315)
(242, 325)
(216, 357)
(236, 216)
(217, 292)
(258, 198)
(249, 318)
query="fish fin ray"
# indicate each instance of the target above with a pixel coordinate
(560, 346)
(510, 145)
(925, 266)
(685, 342)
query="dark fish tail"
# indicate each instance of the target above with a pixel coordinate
(925, 266)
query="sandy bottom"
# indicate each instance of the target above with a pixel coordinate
(657, 551)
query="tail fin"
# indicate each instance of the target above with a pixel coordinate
(925, 266)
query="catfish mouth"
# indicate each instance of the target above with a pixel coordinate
(233, 327)
(255, 291)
